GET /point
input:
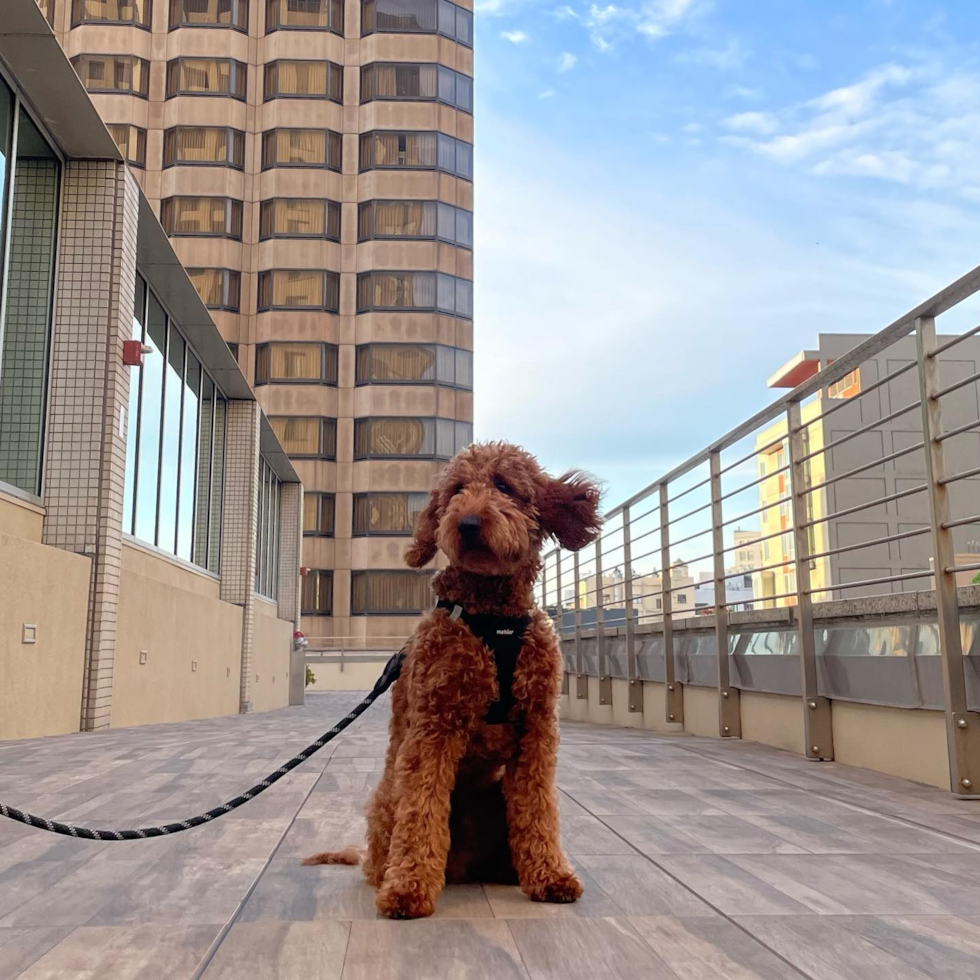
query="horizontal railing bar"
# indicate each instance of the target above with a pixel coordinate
(972, 567)
(762, 568)
(690, 537)
(867, 544)
(956, 477)
(844, 402)
(860, 432)
(863, 468)
(871, 503)
(751, 513)
(955, 386)
(959, 430)
(755, 483)
(872, 581)
(942, 301)
(690, 513)
(646, 595)
(768, 537)
(681, 588)
(691, 561)
(645, 534)
(952, 343)
(975, 519)
(690, 489)
(635, 558)
(755, 452)
(769, 598)
(646, 513)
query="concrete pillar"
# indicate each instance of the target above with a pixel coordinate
(85, 452)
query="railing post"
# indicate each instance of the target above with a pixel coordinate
(729, 712)
(560, 619)
(674, 702)
(635, 699)
(962, 726)
(581, 681)
(605, 682)
(817, 722)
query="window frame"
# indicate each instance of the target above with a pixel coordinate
(321, 497)
(434, 382)
(435, 308)
(327, 203)
(438, 5)
(133, 58)
(146, 25)
(230, 220)
(171, 133)
(330, 29)
(323, 381)
(236, 68)
(422, 494)
(436, 166)
(236, 308)
(140, 133)
(359, 423)
(375, 237)
(236, 4)
(269, 135)
(405, 575)
(437, 98)
(322, 308)
(329, 574)
(322, 453)
(273, 66)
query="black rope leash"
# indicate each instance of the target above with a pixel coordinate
(387, 678)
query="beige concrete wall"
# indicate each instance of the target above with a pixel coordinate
(192, 640)
(20, 518)
(773, 719)
(655, 709)
(899, 741)
(354, 677)
(41, 682)
(701, 711)
(270, 658)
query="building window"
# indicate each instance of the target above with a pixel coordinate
(299, 217)
(204, 146)
(386, 150)
(28, 233)
(233, 350)
(113, 73)
(305, 15)
(301, 148)
(299, 289)
(417, 17)
(390, 593)
(304, 80)
(414, 291)
(136, 12)
(131, 141)
(306, 436)
(430, 220)
(416, 82)
(389, 514)
(216, 216)
(209, 13)
(410, 438)
(47, 8)
(267, 532)
(206, 76)
(299, 363)
(316, 597)
(318, 515)
(175, 446)
(401, 364)
(219, 289)
(847, 387)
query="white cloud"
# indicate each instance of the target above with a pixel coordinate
(515, 37)
(652, 19)
(745, 93)
(565, 13)
(762, 123)
(567, 61)
(548, 93)
(728, 58)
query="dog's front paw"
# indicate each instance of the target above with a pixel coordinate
(560, 888)
(397, 902)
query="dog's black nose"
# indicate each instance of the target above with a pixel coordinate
(469, 526)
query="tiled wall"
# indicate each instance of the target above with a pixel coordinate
(290, 551)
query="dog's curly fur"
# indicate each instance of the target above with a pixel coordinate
(460, 799)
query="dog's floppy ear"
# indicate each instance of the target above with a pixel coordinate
(569, 509)
(423, 549)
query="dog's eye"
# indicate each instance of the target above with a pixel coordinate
(504, 487)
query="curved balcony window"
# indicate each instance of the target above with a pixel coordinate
(299, 289)
(215, 216)
(419, 291)
(410, 438)
(204, 146)
(131, 141)
(219, 289)
(410, 364)
(306, 436)
(416, 82)
(387, 514)
(417, 17)
(299, 217)
(295, 363)
(415, 220)
(389, 150)
(139, 13)
(304, 80)
(301, 148)
(316, 593)
(113, 73)
(319, 511)
(390, 593)
(305, 15)
(206, 76)
(209, 13)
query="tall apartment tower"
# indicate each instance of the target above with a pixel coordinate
(313, 162)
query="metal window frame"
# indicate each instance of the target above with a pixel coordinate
(171, 26)
(327, 202)
(385, 493)
(270, 135)
(236, 67)
(322, 381)
(230, 130)
(435, 382)
(229, 203)
(321, 308)
(314, 97)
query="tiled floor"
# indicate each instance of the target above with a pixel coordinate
(702, 860)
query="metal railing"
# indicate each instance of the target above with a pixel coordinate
(803, 495)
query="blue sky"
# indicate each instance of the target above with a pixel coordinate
(676, 196)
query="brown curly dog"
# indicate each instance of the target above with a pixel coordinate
(463, 798)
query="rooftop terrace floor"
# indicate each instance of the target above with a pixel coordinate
(702, 860)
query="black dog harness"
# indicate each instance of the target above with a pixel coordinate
(503, 636)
